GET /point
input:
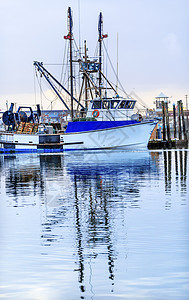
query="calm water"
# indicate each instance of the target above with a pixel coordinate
(111, 225)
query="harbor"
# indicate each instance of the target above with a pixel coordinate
(168, 130)
(94, 157)
(100, 116)
(102, 120)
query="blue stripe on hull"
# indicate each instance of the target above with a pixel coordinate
(10, 151)
(96, 125)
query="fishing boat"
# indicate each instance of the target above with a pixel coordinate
(116, 127)
(104, 122)
(24, 133)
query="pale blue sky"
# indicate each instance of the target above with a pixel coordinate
(153, 42)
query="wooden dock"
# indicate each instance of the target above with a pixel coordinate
(173, 144)
(180, 139)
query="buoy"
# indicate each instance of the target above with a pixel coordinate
(95, 113)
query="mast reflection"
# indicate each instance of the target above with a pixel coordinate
(99, 185)
(79, 240)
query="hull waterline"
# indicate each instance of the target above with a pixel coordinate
(134, 136)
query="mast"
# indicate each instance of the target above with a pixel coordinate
(100, 49)
(70, 34)
(86, 96)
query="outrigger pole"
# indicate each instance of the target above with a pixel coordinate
(47, 74)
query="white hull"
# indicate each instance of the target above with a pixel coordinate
(13, 142)
(128, 136)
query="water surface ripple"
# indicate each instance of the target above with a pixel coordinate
(95, 225)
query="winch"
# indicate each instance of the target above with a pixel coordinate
(11, 119)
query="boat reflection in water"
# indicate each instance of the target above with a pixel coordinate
(104, 184)
(84, 203)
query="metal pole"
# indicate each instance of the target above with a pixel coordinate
(86, 94)
(117, 67)
(46, 74)
(71, 68)
(100, 50)
(108, 82)
(42, 69)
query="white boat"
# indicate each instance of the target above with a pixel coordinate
(110, 122)
(116, 125)
(122, 132)
(114, 128)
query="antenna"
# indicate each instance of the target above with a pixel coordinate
(100, 49)
(117, 67)
(79, 26)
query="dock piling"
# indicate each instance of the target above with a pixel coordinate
(174, 121)
(163, 119)
(167, 121)
(179, 126)
(179, 120)
(183, 121)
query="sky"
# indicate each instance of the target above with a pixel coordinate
(153, 44)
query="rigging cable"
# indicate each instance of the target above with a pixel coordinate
(142, 103)
(114, 70)
(138, 98)
(42, 92)
(41, 95)
(34, 84)
(64, 64)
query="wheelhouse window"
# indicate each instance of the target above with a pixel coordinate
(96, 104)
(114, 103)
(106, 104)
(130, 104)
(122, 104)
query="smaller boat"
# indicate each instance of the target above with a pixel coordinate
(25, 133)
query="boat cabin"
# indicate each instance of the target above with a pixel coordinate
(107, 109)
